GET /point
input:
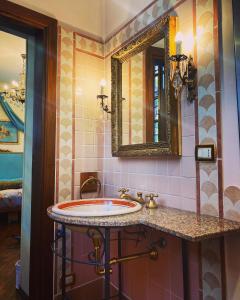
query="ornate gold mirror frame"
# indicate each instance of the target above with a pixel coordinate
(164, 28)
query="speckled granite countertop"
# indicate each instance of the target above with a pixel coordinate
(176, 222)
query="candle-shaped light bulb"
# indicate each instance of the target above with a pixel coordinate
(179, 40)
(15, 83)
(102, 85)
(5, 87)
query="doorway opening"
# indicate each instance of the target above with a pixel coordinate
(12, 123)
(40, 33)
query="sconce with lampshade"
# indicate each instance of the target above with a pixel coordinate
(183, 71)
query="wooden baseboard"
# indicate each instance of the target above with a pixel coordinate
(91, 291)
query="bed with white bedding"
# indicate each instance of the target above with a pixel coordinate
(10, 200)
(10, 196)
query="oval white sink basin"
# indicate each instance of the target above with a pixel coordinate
(96, 207)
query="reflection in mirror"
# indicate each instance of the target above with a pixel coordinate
(143, 90)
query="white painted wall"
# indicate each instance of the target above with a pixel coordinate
(86, 15)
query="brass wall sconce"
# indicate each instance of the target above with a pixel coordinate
(104, 106)
(183, 72)
(102, 97)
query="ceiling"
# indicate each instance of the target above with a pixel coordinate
(98, 17)
(10, 57)
(119, 12)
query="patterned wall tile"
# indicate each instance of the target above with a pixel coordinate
(207, 128)
(209, 188)
(232, 203)
(137, 98)
(65, 116)
(64, 134)
(207, 106)
(211, 270)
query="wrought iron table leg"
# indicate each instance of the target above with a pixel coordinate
(119, 266)
(63, 261)
(107, 265)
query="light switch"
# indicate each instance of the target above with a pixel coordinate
(205, 152)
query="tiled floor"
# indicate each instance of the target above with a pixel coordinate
(9, 254)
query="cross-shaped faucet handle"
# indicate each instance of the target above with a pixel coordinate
(151, 196)
(123, 190)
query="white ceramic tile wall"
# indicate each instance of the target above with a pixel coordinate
(89, 130)
(174, 180)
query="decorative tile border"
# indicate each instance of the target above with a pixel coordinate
(207, 106)
(89, 46)
(232, 203)
(64, 149)
(209, 131)
(211, 270)
(65, 116)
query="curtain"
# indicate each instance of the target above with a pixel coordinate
(11, 115)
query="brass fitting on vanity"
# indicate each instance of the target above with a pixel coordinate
(152, 254)
(97, 252)
(100, 270)
(151, 203)
(140, 198)
(126, 196)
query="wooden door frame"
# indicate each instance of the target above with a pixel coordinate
(43, 168)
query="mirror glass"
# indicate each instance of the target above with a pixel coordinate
(143, 92)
